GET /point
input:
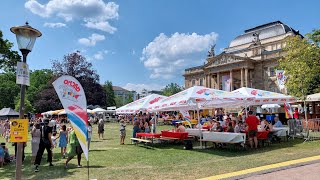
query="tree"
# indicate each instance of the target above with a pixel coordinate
(27, 105)
(47, 99)
(110, 97)
(38, 80)
(8, 58)
(301, 65)
(76, 65)
(8, 90)
(171, 89)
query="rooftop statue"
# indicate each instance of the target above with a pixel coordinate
(211, 52)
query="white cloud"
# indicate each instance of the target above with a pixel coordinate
(167, 56)
(103, 26)
(133, 52)
(139, 87)
(94, 13)
(92, 40)
(54, 25)
(98, 55)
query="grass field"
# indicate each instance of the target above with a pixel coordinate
(110, 160)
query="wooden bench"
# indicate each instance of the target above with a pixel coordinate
(168, 138)
(141, 140)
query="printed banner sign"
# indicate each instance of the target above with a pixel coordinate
(73, 99)
(19, 130)
(226, 83)
(22, 76)
(186, 115)
(281, 80)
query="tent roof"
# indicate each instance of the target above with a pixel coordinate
(264, 97)
(313, 97)
(142, 104)
(8, 112)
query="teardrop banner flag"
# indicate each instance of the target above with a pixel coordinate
(74, 102)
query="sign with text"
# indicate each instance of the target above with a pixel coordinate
(23, 74)
(19, 130)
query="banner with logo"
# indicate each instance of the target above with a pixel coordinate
(73, 99)
(281, 80)
(186, 116)
(288, 110)
(19, 130)
(226, 83)
(22, 76)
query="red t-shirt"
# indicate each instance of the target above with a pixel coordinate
(252, 122)
(296, 114)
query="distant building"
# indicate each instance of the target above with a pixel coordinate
(124, 94)
(145, 93)
(249, 61)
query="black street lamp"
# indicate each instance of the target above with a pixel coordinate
(26, 37)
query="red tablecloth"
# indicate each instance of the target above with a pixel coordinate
(153, 135)
(207, 127)
(180, 135)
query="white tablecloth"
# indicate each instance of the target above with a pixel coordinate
(280, 131)
(195, 132)
(224, 137)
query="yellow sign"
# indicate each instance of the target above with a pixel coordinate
(19, 130)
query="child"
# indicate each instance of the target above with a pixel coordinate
(53, 138)
(7, 135)
(122, 131)
(63, 140)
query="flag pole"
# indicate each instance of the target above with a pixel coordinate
(88, 152)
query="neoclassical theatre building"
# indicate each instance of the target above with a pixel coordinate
(249, 61)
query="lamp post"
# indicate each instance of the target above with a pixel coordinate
(26, 37)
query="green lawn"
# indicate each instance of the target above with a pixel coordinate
(109, 160)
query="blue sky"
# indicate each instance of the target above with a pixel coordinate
(145, 43)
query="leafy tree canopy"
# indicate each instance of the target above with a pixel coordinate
(110, 97)
(171, 89)
(76, 65)
(8, 58)
(302, 64)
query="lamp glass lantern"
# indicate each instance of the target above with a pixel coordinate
(26, 36)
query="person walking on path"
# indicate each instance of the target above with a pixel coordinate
(101, 128)
(74, 148)
(35, 141)
(45, 143)
(252, 122)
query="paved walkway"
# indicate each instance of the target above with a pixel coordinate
(305, 168)
(307, 172)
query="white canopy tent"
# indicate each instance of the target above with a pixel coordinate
(313, 97)
(64, 112)
(142, 104)
(264, 97)
(97, 110)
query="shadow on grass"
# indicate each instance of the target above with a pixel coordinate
(97, 150)
(46, 172)
(229, 150)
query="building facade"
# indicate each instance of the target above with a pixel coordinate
(249, 61)
(124, 94)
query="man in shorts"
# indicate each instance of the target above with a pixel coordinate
(252, 122)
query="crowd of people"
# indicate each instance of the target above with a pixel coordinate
(46, 134)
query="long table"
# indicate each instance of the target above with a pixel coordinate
(195, 132)
(224, 137)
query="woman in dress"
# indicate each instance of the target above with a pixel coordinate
(74, 149)
(63, 140)
(36, 135)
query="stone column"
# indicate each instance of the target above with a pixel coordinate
(246, 74)
(231, 81)
(218, 81)
(242, 80)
